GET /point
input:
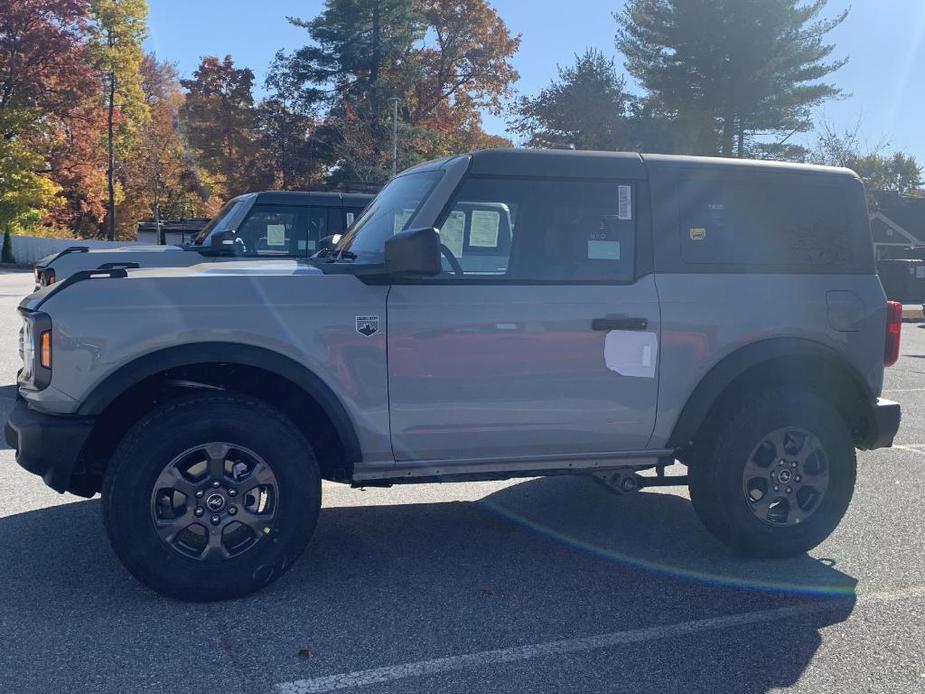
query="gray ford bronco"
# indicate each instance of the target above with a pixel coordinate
(495, 315)
(275, 224)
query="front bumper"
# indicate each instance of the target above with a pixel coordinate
(883, 423)
(47, 445)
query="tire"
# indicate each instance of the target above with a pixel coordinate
(277, 491)
(727, 473)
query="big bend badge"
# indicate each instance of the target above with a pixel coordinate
(367, 325)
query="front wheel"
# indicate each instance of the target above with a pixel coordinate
(211, 497)
(775, 475)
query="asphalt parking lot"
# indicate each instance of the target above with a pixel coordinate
(545, 585)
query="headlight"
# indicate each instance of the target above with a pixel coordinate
(36, 350)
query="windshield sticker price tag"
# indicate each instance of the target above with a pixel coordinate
(698, 233)
(276, 234)
(453, 232)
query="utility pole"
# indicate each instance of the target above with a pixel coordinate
(394, 101)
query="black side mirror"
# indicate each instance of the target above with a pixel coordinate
(222, 243)
(413, 252)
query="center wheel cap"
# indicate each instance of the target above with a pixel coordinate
(784, 476)
(215, 502)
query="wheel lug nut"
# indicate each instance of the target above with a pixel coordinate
(200, 494)
(232, 492)
(198, 512)
(793, 464)
(216, 484)
(797, 478)
(216, 520)
(789, 490)
(776, 488)
(232, 510)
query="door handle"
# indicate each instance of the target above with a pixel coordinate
(619, 324)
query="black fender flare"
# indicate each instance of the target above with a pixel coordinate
(153, 363)
(712, 386)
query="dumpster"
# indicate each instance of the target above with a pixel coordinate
(903, 279)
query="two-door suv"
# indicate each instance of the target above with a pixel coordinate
(495, 315)
(275, 224)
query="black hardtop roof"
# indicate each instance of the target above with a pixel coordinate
(632, 165)
(321, 198)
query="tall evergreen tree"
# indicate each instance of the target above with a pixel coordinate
(725, 70)
(585, 108)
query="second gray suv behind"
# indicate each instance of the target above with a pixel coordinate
(500, 314)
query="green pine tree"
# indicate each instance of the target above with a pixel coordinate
(6, 256)
(727, 69)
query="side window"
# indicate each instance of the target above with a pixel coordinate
(764, 223)
(272, 231)
(541, 230)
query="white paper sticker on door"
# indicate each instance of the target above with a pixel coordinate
(631, 353)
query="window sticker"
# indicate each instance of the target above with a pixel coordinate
(484, 229)
(603, 250)
(453, 232)
(302, 245)
(624, 202)
(276, 234)
(350, 218)
(698, 233)
(401, 219)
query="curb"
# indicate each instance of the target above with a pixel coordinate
(913, 314)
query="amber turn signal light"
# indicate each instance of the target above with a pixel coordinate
(45, 349)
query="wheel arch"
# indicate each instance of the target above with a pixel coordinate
(777, 360)
(132, 389)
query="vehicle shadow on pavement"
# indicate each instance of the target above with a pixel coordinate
(539, 561)
(7, 400)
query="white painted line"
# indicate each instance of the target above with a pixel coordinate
(911, 448)
(421, 668)
(904, 390)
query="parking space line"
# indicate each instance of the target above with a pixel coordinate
(422, 668)
(904, 390)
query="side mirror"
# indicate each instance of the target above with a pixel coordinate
(328, 243)
(222, 243)
(413, 252)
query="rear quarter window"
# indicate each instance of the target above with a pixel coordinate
(773, 224)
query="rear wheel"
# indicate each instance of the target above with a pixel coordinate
(211, 497)
(775, 475)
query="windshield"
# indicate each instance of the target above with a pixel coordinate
(218, 219)
(389, 213)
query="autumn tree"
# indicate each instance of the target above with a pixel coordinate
(881, 171)
(119, 27)
(726, 70)
(45, 76)
(219, 119)
(443, 61)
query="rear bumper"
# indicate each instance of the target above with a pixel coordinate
(47, 445)
(883, 424)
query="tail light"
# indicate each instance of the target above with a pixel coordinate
(894, 327)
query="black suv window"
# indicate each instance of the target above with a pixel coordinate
(271, 230)
(771, 224)
(541, 230)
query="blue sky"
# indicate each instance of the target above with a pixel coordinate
(884, 39)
